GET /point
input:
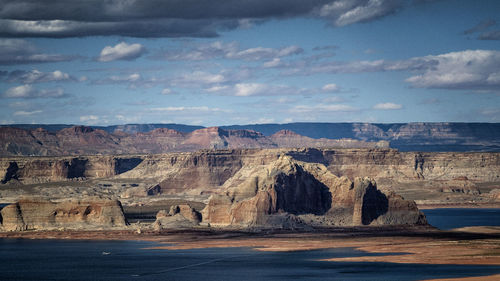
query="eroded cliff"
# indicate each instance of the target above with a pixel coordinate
(40, 214)
(287, 193)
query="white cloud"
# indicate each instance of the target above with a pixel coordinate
(199, 77)
(166, 91)
(330, 88)
(26, 113)
(276, 62)
(90, 119)
(345, 12)
(28, 92)
(470, 69)
(260, 53)
(36, 76)
(256, 89)
(23, 91)
(249, 89)
(387, 106)
(121, 51)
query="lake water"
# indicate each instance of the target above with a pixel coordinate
(22, 259)
(445, 219)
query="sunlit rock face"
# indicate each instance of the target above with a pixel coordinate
(39, 214)
(269, 195)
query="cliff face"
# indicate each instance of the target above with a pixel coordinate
(39, 214)
(53, 169)
(209, 169)
(268, 195)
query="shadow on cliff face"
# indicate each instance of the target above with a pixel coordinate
(375, 204)
(309, 155)
(123, 165)
(77, 167)
(11, 173)
(299, 193)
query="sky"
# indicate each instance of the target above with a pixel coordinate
(225, 62)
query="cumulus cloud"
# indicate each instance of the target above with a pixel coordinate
(28, 92)
(36, 76)
(387, 106)
(172, 18)
(121, 51)
(470, 69)
(18, 51)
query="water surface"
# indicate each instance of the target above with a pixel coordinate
(128, 260)
(446, 219)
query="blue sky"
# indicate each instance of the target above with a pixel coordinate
(233, 62)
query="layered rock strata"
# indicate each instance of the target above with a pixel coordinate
(207, 170)
(39, 214)
(287, 190)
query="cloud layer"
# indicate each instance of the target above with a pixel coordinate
(18, 51)
(172, 18)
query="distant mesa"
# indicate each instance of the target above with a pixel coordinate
(82, 140)
(438, 136)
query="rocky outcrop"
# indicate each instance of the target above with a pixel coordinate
(268, 195)
(179, 216)
(39, 214)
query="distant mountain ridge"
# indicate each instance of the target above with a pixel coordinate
(83, 140)
(439, 136)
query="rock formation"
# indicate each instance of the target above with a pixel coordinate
(269, 195)
(179, 216)
(39, 214)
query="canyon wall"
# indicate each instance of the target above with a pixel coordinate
(211, 168)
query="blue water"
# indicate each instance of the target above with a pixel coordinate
(22, 259)
(127, 260)
(446, 219)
